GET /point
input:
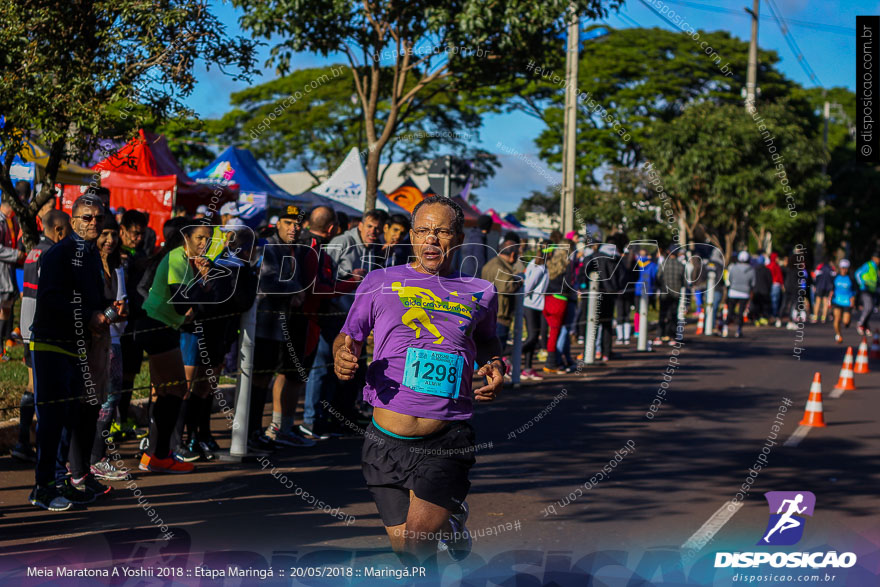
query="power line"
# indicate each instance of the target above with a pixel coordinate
(789, 38)
(660, 16)
(829, 28)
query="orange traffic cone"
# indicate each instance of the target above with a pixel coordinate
(845, 381)
(701, 322)
(875, 347)
(862, 358)
(813, 414)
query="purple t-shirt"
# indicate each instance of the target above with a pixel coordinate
(407, 309)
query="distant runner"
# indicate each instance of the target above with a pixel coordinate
(419, 448)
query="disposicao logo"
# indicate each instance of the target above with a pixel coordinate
(786, 524)
(785, 528)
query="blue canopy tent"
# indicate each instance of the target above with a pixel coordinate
(257, 190)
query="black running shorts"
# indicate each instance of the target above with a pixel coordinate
(434, 467)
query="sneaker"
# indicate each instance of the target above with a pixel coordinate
(24, 452)
(580, 340)
(547, 369)
(778, 323)
(838, 339)
(73, 494)
(206, 450)
(275, 434)
(459, 545)
(860, 330)
(261, 444)
(104, 470)
(89, 483)
(307, 432)
(185, 455)
(657, 341)
(605, 358)
(48, 498)
(154, 464)
(532, 375)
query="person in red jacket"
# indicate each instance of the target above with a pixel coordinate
(776, 288)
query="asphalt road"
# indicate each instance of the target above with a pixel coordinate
(541, 513)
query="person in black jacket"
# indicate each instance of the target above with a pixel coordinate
(612, 279)
(670, 282)
(69, 312)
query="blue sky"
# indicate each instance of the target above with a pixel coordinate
(830, 53)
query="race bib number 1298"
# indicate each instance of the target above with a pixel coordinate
(433, 372)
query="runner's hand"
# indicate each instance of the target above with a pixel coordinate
(345, 363)
(495, 376)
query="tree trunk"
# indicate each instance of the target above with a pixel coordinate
(372, 179)
(729, 239)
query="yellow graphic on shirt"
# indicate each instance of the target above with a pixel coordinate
(418, 300)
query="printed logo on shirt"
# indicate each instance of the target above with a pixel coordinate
(420, 301)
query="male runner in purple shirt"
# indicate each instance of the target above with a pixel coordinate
(431, 328)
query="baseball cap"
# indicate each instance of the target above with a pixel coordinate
(743, 257)
(202, 209)
(292, 212)
(229, 208)
(844, 263)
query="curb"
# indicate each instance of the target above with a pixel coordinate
(137, 410)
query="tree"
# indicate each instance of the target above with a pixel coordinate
(723, 175)
(852, 211)
(639, 77)
(428, 46)
(308, 118)
(72, 70)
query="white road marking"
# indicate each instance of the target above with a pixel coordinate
(836, 393)
(712, 526)
(799, 434)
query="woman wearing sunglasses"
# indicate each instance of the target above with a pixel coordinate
(179, 283)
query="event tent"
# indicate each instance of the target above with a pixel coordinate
(144, 175)
(257, 191)
(30, 165)
(348, 184)
(407, 195)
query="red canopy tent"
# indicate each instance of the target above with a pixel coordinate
(144, 175)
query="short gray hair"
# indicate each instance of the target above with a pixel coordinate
(457, 224)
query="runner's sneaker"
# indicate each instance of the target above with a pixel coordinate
(460, 544)
(166, 465)
(838, 339)
(89, 483)
(24, 452)
(48, 498)
(535, 376)
(74, 495)
(104, 470)
(308, 433)
(860, 330)
(275, 434)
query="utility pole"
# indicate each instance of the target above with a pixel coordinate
(446, 178)
(752, 72)
(819, 236)
(570, 134)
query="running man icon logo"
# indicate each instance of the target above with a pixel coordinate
(786, 526)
